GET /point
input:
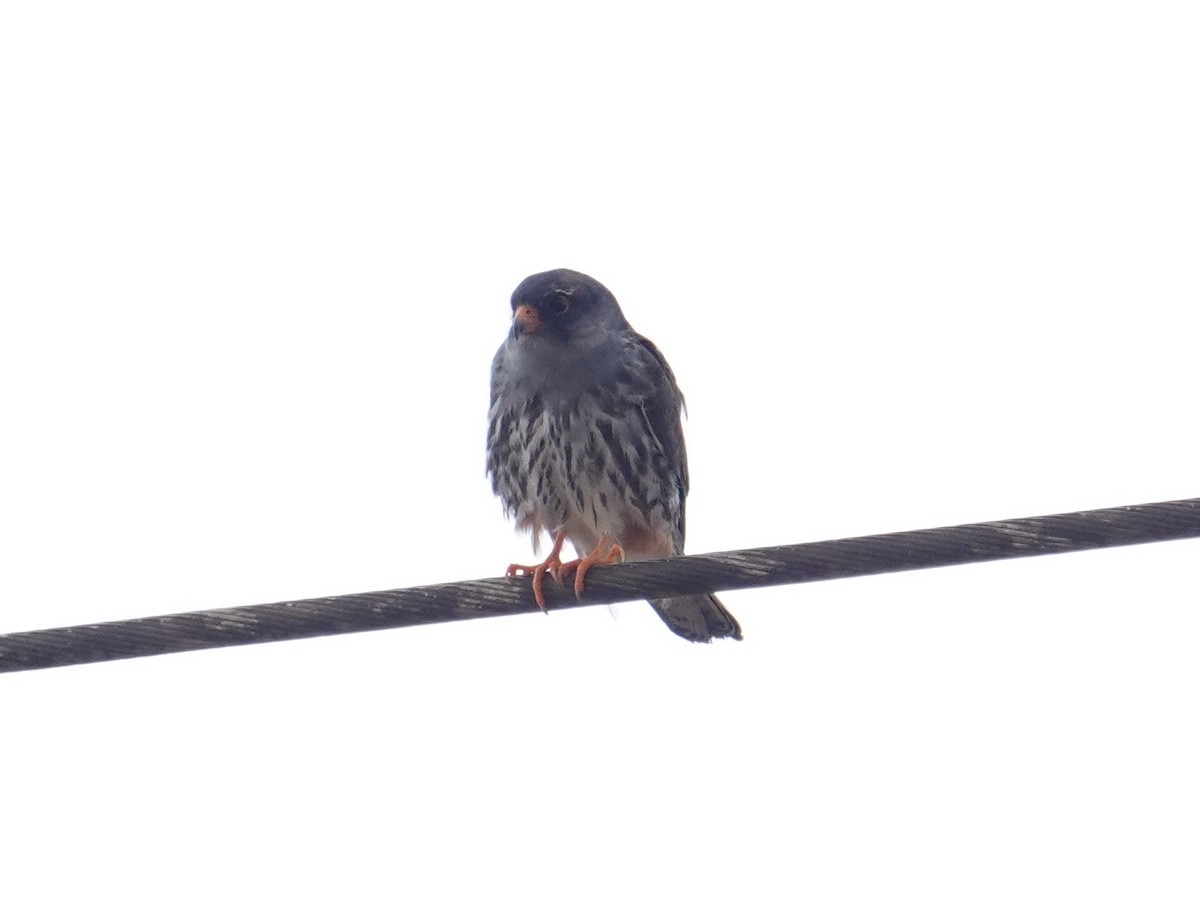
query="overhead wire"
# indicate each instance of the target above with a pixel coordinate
(725, 571)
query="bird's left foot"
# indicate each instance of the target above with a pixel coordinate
(607, 551)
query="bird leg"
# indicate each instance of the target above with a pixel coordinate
(607, 551)
(552, 564)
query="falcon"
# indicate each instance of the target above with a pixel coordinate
(585, 442)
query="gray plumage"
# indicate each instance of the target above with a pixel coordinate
(585, 438)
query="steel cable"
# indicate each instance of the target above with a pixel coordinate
(731, 570)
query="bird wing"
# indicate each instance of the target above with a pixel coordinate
(661, 403)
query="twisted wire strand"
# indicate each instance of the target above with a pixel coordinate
(731, 570)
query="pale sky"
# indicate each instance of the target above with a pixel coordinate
(913, 264)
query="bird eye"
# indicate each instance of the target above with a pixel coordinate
(558, 304)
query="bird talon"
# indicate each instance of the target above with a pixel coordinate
(598, 557)
(539, 572)
(550, 564)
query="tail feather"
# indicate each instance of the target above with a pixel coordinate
(698, 617)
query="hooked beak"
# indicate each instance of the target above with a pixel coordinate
(526, 320)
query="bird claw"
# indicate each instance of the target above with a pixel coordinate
(598, 557)
(551, 564)
(538, 573)
(604, 554)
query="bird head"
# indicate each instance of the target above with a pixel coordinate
(563, 306)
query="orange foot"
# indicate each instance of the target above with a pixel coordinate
(552, 564)
(607, 551)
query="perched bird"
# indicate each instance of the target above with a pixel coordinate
(585, 441)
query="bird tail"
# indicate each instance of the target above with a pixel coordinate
(698, 617)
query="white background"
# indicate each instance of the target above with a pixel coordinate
(914, 264)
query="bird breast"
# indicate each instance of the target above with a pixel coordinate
(591, 468)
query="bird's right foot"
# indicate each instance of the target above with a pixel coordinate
(551, 564)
